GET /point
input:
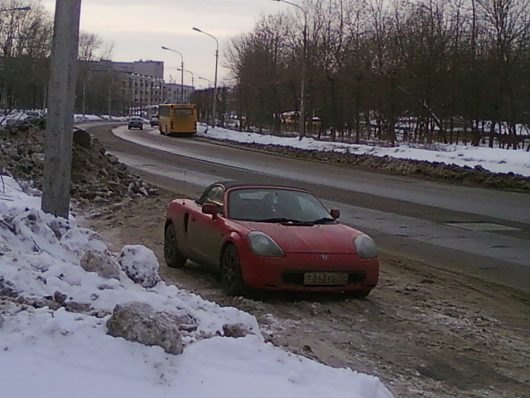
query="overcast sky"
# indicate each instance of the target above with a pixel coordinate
(138, 28)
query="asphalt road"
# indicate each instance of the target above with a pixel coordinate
(478, 232)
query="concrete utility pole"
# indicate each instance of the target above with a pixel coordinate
(60, 119)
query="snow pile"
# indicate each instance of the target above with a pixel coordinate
(53, 333)
(140, 264)
(42, 255)
(13, 117)
(87, 118)
(493, 159)
(97, 118)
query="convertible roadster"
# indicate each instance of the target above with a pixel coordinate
(269, 237)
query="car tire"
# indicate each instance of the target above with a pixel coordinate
(172, 255)
(129, 127)
(231, 279)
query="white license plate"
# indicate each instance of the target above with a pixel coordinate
(325, 278)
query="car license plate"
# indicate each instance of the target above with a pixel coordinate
(325, 278)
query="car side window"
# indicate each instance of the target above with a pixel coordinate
(215, 195)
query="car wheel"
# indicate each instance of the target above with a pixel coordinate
(129, 127)
(172, 255)
(231, 278)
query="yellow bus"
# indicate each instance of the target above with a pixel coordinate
(177, 119)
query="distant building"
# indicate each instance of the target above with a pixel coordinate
(146, 68)
(141, 83)
(172, 93)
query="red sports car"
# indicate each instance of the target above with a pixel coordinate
(270, 237)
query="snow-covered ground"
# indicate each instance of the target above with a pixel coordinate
(17, 116)
(492, 159)
(57, 353)
(96, 118)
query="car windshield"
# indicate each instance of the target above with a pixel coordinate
(276, 205)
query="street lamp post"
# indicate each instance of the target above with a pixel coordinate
(304, 61)
(215, 78)
(192, 79)
(182, 70)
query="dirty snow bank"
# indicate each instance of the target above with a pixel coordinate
(53, 316)
(493, 159)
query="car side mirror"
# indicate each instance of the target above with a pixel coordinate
(335, 213)
(210, 208)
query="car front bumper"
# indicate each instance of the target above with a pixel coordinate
(287, 272)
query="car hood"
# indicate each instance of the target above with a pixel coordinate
(318, 238)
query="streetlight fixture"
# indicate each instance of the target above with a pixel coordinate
(304, 61)
(215, 78)
(182, 70)
(205, 79)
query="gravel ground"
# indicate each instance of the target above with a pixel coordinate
(425, 332)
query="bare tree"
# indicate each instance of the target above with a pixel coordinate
(89, 43)
(507, 33)
(429, 70)
(24, 45)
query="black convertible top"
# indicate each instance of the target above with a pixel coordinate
(227, 184)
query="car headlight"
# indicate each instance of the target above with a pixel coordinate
(264, 245)
(365, 246)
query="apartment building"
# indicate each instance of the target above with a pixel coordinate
(140, 85)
